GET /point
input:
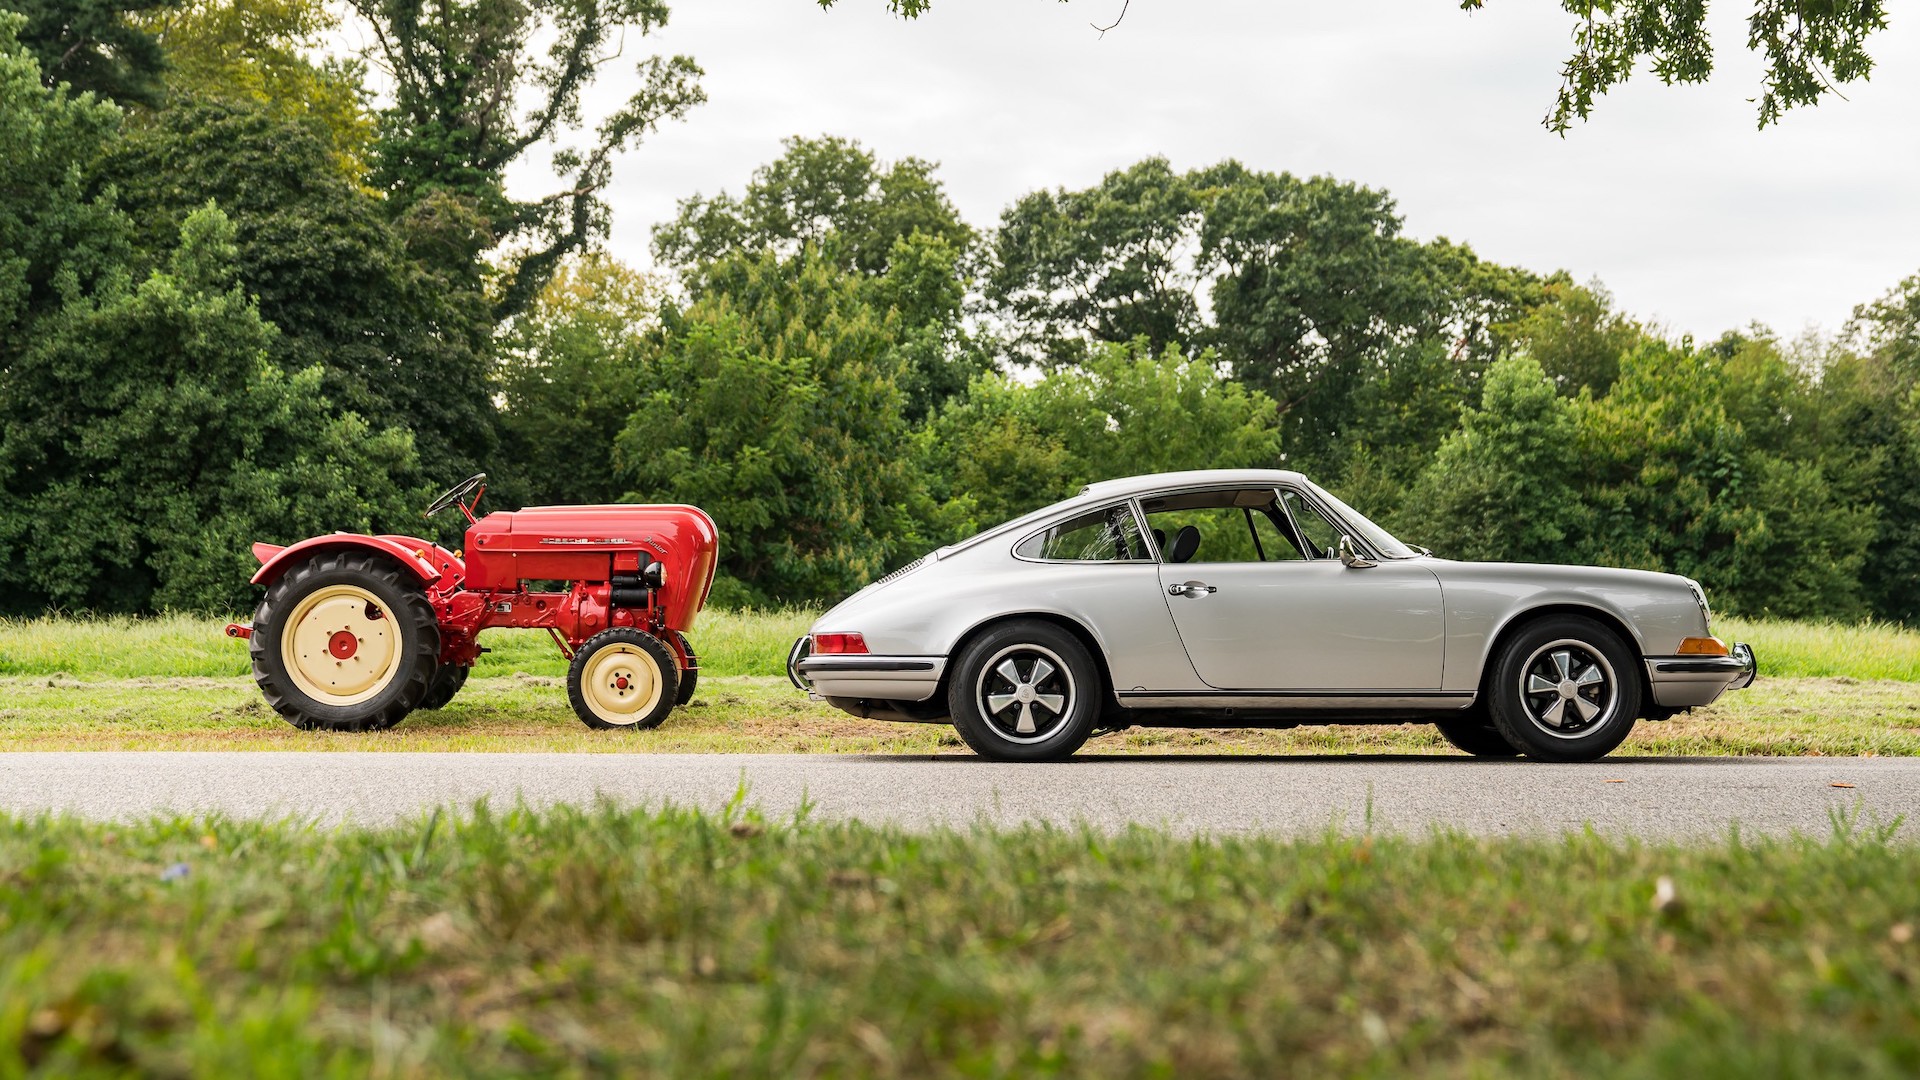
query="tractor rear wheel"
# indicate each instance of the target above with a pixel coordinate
(344, 641)
(623, 678)
(446, 683)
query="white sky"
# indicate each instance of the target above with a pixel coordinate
(1669, 195)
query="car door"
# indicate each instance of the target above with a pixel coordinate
(1263, 602)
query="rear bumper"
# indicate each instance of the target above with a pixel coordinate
(1681, 682)
(864, 677)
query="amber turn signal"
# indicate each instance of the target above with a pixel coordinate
(832, 644)
(1702, 646)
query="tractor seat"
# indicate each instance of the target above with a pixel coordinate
(1186, 543)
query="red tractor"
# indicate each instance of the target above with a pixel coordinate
(355, 632)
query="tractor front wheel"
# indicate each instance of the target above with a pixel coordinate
(344, 641)
(623, 678)
(690, 675)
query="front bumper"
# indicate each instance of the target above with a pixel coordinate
(863, 677)
(1682, 682)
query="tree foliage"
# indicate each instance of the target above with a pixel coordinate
(150, 441)
(479, 83)
(93, 47)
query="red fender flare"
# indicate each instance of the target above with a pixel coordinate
(275, 560)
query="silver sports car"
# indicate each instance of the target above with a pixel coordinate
(1253, 598)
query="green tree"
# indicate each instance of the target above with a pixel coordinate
(1577, 336)
(57, 235)
(830, 199)
(773, 402)
(572, 370)
(1309, 289)
(403, 340)
(829, 193)
(479, 83)
(150, 441)
(1868, 412)
(94, 47)
(1506, 485)
(1687, 472)
(257, 51)
(1011, 447)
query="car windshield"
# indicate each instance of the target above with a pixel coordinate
(1376, 537)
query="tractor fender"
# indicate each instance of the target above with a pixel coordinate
(275, 560)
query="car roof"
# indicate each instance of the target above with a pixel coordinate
(1136, 485)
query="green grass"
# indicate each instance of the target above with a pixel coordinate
(176, 683)
(1858, 651)
(762, 714)
(602, 941)
(181, 646)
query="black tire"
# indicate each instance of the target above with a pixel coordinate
(1530, 659)
(446, 683)
(690, 677)
(643, 661)
(1070, 678)
(402, 604)
(1473, 732)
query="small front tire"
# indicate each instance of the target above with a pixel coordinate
(1025, 691)
(623, 678)
(689, 675)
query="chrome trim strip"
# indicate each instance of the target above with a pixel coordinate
(820, 665)
(1295, 699)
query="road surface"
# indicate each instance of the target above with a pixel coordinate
(1658, 798)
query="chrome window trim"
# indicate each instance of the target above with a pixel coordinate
(1138, 522)
(1137, 503)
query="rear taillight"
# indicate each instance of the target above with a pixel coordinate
(831, 644)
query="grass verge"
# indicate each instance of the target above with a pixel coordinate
(762, 714)
(605, 941)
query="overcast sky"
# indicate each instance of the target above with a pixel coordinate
(1668, 195)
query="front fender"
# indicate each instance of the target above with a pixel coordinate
(275, 561)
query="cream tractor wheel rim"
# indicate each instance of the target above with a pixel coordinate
(622, 684)
(340, 647)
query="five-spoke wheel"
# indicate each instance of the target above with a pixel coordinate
(1024, 691)
(1564, 688)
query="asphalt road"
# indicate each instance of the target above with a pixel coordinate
(1648, 798)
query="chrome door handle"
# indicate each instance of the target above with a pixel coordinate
(1191, 589)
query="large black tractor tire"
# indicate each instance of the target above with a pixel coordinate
(1473, 732)
(623, 678)
(446, 683)
(1565, 689)
(345, 641)
(1025, 691)
(689, 677)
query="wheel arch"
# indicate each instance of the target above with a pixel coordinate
(275, 563)
(1071, 625)
(1512, 628)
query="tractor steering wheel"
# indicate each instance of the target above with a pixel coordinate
(457, 492)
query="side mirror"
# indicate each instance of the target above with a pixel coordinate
(1350, 559)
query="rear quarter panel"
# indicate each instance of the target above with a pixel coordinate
(931, 610)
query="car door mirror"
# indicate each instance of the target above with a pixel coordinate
(1351, 559)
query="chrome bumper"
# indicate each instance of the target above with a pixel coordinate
(870, 678)
(1682, 682)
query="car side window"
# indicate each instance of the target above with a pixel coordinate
(1218, 526)
(1319, 533)
(1110, 534)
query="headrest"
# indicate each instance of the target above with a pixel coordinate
(1185, 543)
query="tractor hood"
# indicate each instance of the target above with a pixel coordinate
(595, 543)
